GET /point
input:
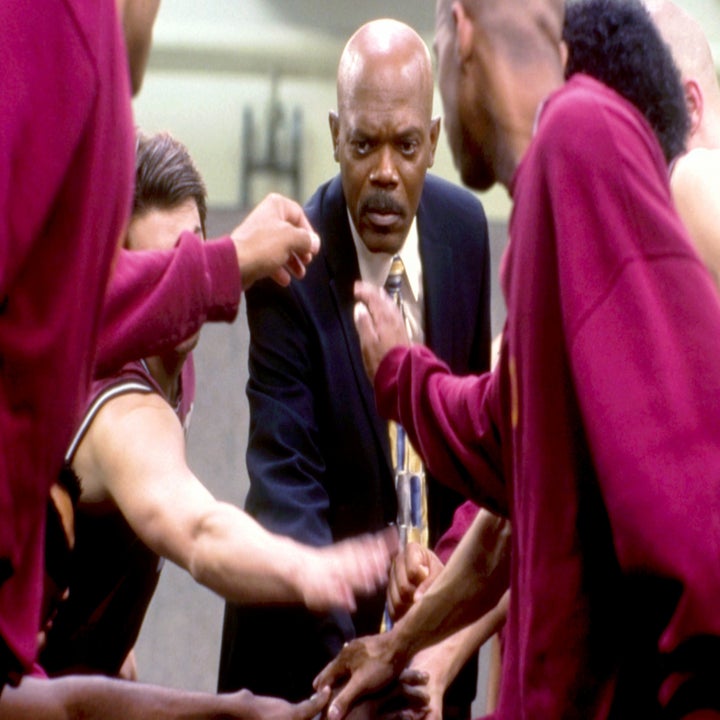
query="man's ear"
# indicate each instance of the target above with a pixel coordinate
(334, 121)
(564, 54)
(464, 31)
(695, 103)
(434, 135)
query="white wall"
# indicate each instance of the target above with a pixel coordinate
(205, 111)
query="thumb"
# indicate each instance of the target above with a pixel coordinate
(310, 708)
(361, 316)
(422, 588)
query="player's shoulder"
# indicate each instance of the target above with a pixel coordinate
(585, 123)
(584, 105)
(698, 163)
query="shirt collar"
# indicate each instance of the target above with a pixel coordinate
(375, 266)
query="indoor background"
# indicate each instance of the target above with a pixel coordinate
(247, 86)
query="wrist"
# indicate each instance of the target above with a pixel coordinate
(293, 572)
(398, 647)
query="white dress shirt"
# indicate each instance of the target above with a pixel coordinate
(375, 266)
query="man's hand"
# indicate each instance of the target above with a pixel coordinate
(275, 240)
(331, 576)
(405, 699)
(413, 571)
(269, 708)
(379, 324)
(368, 664)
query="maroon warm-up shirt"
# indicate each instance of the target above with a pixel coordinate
(66, 170)
(598, 432)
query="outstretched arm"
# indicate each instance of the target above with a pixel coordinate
(102, 698)
(134, 454)
(145, 312)
(451, 420)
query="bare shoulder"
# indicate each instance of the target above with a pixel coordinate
(694, 184)
(125, 425)
(696, 170)
(694, 178)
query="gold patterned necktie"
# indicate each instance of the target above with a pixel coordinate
(410, 485)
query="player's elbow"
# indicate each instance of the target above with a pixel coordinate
(206, 540)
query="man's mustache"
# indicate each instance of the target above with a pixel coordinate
(382, 203)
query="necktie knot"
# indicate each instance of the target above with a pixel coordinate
(394, 278)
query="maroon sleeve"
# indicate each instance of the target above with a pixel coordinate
(156, 299)
(462, 520)
(449, 420)
(649, 397)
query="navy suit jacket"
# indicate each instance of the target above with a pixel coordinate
(318, 453)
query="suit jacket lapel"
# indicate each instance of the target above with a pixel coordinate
(343, 271)
(439, 284)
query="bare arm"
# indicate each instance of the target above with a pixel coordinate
(414, 570)
(443, 661)
(101, 698)
(144, 314)
(134, 454)
(694, 184)
(471, 584)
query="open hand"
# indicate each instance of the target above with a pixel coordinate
(366, 666)
(259, 707)
(331, 576)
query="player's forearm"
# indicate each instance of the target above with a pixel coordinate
(445, 660)
(470, 585)
(236, 557)
(100, 698)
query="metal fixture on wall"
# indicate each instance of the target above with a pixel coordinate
(281, 159)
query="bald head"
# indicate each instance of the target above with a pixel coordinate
(384, 135)
(686, 39)
(497, 61)
(692, 55)
(385, 52)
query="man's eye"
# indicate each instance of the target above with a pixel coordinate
(362, 147)
(408, 147)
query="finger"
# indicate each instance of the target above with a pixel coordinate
(345, 699)
(332, 673)
(282, 277)
(416, 695)
(314, 244)
(289, 210)
(366, 561)
(399, 591)
(356, 561)
(422, 588)
(311, 707)
(391, 539)
(363, 291)
(364, 324)
(306, 258)
(417, 564)
(348, 597)
(392, 596)
(414, 676)
(295, 266)
(375, 298)
(413, 714)
(381, 555)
